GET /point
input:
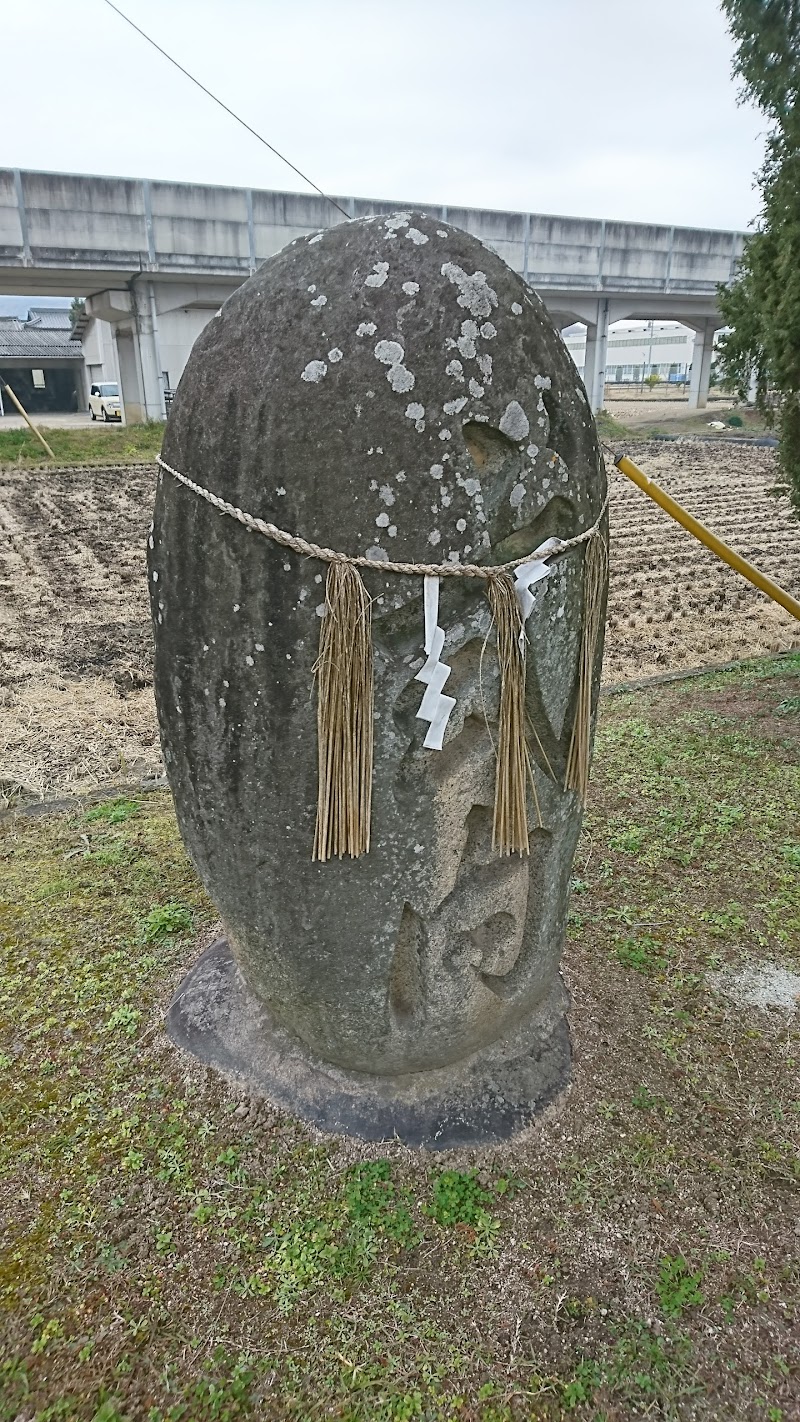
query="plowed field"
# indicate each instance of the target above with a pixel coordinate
(76, 706)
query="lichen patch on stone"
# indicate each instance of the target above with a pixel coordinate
(474, 292)
(378, 275)
(514, 422)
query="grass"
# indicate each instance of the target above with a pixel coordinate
(112, 444)
(610, 428)
(176, 1251)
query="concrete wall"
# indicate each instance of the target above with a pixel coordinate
(66, 224)
(157, 259)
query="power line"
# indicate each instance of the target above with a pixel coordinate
(233, 115)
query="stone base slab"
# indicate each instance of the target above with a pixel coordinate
(214, 1016)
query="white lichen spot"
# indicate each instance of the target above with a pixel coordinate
(382, 520)
(446, 498)
(454, 407)
(315, 371)
(400, 476)
(453, 557)
(514, 422)
(461, 525)
(377, 554)
(476, 391)
(532, 451)
(456, 369)
(250, 661)
(488, 331)
(387, 497)
(392, 530)
(466, 347)
(437, 470)
(516, 308)
(435, 537)
(389, 352)
(400, 219)
(485, 366)
(474, 292)
(440, 232)
(367, 328)
(335, 355)
(417, 237)
(312, 289)
(472, 487)
(280, 492)
(222, 702)
(155, 577)
(259, 646)
(516, 496)
(320, 609)
(318, 238)
(542, 382)
(400, 379)
(320, 300)
(445, 434)
(415, 411)
(378, 275)
(410, 288)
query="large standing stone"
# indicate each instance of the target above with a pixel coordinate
(388, 387)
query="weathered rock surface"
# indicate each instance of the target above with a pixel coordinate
(390, 387)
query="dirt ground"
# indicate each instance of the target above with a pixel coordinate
(76, 705)
(173, 1249)
(665, 411)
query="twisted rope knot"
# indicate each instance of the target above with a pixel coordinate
(330, 555)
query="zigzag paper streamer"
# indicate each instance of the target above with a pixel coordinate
(527, 575)
(434, 707)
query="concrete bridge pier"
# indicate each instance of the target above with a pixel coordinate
(594, 370)
(155, 325)
(702, 357)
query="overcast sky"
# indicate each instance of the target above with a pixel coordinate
(598, 108)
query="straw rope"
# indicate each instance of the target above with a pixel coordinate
(329, 555)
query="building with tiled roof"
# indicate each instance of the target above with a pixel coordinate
(42, 361)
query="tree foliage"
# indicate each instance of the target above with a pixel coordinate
(762, 307)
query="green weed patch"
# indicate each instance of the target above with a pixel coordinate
(176, 1252)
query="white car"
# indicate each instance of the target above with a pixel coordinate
(104, 402)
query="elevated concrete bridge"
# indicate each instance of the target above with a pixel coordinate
(157, 260)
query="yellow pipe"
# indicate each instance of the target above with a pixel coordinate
(27, 420)
(686, 520)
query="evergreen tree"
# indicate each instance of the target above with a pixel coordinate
(762, 307)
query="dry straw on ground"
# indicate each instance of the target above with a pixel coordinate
(76, 708)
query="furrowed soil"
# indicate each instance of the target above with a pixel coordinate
(171, 1251)
(76, 704)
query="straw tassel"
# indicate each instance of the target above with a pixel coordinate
(344, 717)
(510, 829)
(595, 571)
